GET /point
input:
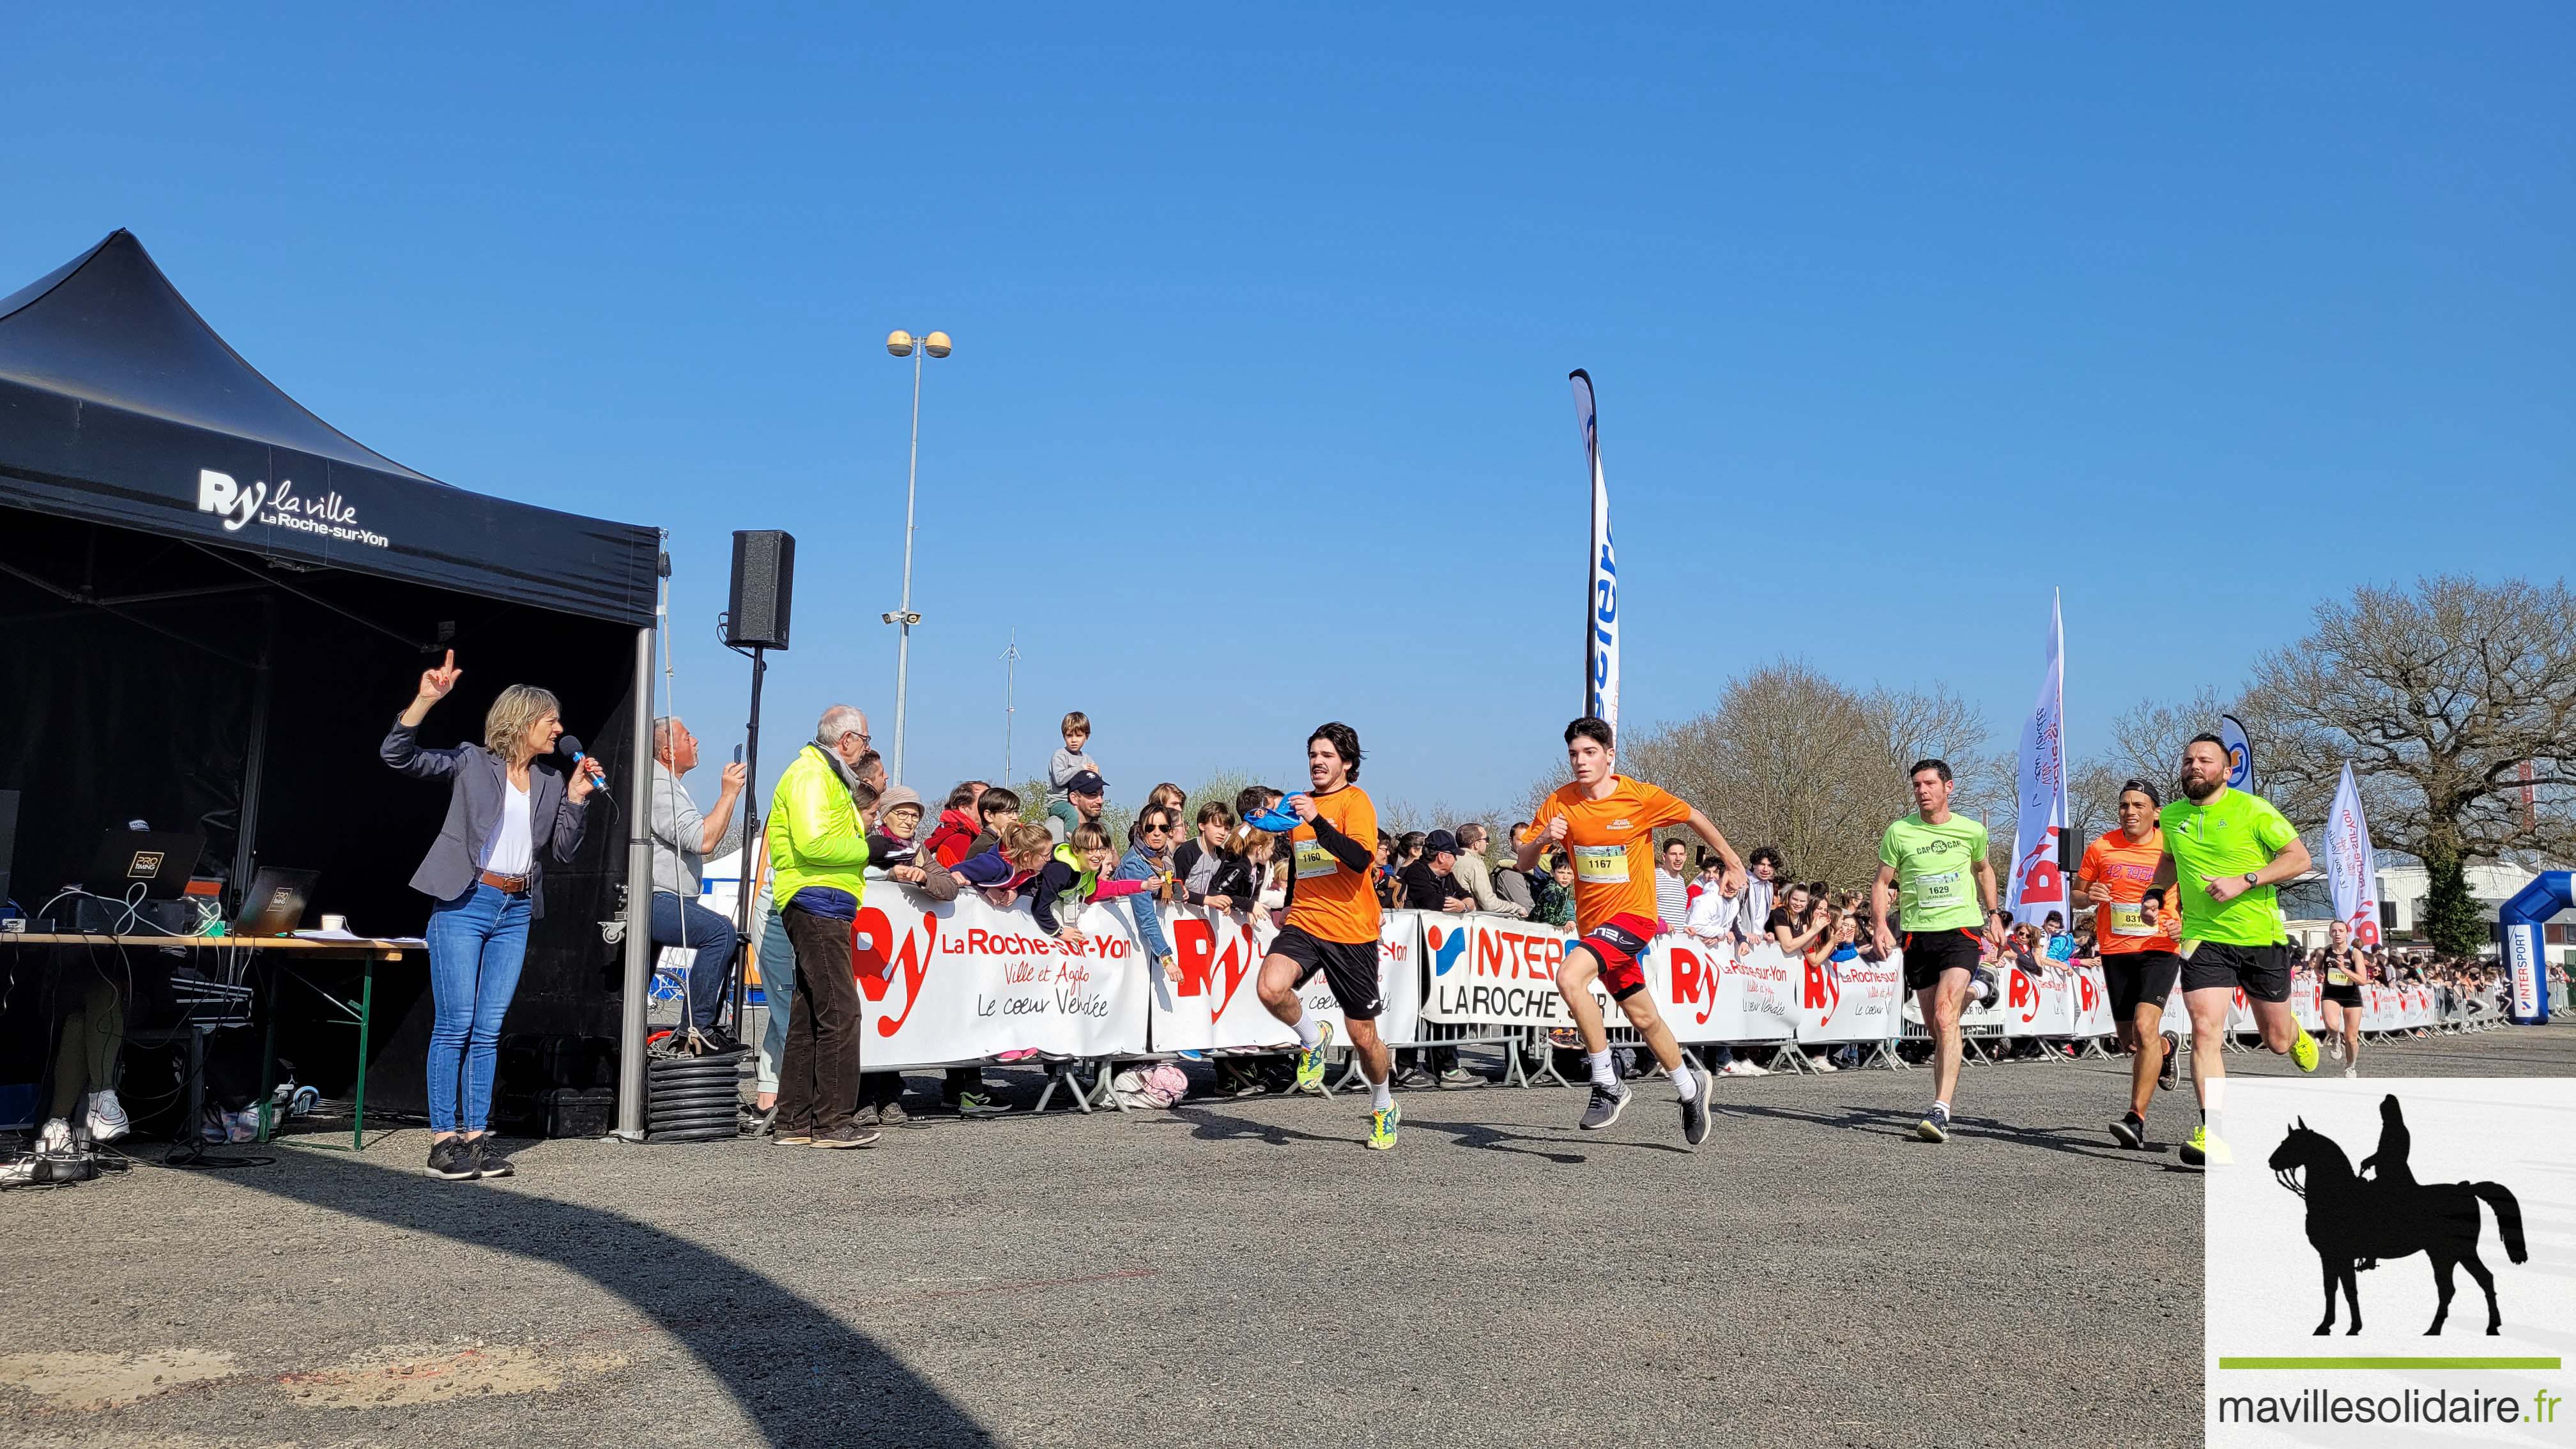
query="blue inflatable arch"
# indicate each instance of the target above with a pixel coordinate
(2526, 968)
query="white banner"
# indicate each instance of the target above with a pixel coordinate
(1216, 1005)
(2038, 885)
(2306, 1002)
(2349, 859)
(1601, 601)
(1849, 1000)
(2093, 1003)
(962, 980)
(2039, 1003)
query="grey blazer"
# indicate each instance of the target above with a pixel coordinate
(455, 859)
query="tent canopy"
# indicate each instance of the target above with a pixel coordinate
(119, 405)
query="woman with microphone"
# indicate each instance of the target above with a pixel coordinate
(504, 817)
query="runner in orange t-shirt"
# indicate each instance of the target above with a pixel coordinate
(1606, 823)
(2136, 935)
(1331, 924)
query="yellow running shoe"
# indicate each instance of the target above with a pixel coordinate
(1382, 1128)
(2204, 1150)
(1310, 1062)
(2304, 1051)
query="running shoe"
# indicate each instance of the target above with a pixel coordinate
(1609, 1099)
(1695, 1116)
(452, 1158)
(2334, 1047)
(55, 1140)
(2169, 1071)
(2304, 1051)
(107, 1119)
(1936, 1127)
(1310, 1062)
(488, 1161)
(2204, 1150)
(2129, 1132)
(979, 1102)
(1382, 1125)
(2351, 1069)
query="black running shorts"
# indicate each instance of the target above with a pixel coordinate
(2139, 978)
(1349, 967)
(2264, 971)
(2347, 995)
(1929, 953)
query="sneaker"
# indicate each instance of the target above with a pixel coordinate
(2169, 1071)
(488, 1161)
(790, 1136)
(892, 1114)
(1936, 1127)
(1310, 1062)
(866, 1116)
(1823, 1064)
(450, 1158)
(1382, 1125)
(2304, 1051)
(55, 1140)
(2351, 1070)
(750, 1121)
(980, 1102)
(1735, 1069)
(850, 1136)
(1756, 1069)
(1456, 1076)
(107, 1119)
(1609, 1099)
(2204, 1150)
(2130, 1131)
(712, 1042)
(1695, 1116)
(2334, 1047)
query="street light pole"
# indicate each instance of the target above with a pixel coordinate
(900, 343)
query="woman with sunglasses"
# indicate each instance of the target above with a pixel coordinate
(1149, 858)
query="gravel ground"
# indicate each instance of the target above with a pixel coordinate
(1232, 1272)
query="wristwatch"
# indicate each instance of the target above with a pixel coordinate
(2253, 878)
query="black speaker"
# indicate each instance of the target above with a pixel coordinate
(764, 577)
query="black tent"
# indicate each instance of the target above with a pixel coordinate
(212, 603)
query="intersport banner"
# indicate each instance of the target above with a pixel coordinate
(1495, 971)
(1601, 597)
(2349, 860)
(962, 980)
(2038, 877)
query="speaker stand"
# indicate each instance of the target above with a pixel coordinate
(739, 988)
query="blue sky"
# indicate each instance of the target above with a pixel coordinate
(1901, 316)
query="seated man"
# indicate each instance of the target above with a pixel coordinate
(681, 840)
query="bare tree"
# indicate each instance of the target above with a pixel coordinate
(1794, 759)
(2444, 699)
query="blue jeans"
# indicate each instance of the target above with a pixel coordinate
(712, 937)
(778, 989)
(477, 943)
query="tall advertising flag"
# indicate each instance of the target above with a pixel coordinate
(2240, 753)
(2349, 860)
(1601, 590)
(2039, 835)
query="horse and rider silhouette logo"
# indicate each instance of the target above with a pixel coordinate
(2357, 1220)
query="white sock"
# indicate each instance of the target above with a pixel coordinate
(1381, 1095)
(1307, 1033)
(1601, 1068)
(1941, 1109)
(1685, 1081)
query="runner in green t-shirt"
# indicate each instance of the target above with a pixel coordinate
(2230, 851)
(1945, 885)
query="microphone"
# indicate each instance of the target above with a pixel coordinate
(569, 746)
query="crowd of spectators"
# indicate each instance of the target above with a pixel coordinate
(1056, 855)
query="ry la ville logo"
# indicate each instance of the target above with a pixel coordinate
(329, 515)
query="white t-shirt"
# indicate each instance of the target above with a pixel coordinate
(1712, 916)
(511, 852)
